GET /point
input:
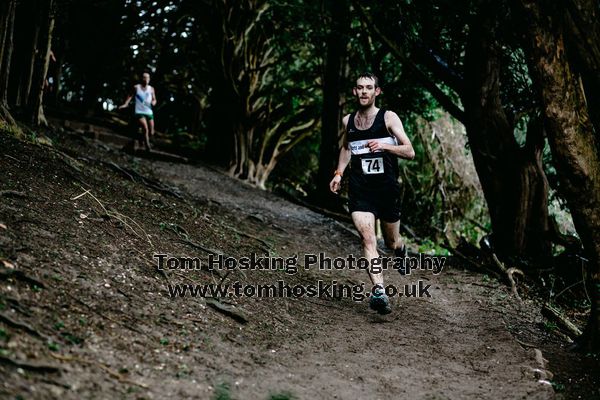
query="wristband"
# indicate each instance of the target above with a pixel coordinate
(338, 173)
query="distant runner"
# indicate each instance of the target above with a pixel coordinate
(373, 140)
(145, 99)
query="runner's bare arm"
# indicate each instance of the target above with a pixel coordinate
(404, 148)
(343, 160)
(128, 99)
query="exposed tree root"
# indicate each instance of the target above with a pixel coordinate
(553, 313)
(510, 272)
(103, 367)
(126, 326)
(29, 366)
(227, 310)
(137, 177)
(20, 275)
(13, 193)
(20, 325)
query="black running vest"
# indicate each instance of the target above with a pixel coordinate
(370, 170)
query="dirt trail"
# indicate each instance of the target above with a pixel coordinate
(451, 345)
(104, 318)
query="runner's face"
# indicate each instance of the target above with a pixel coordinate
(146, 79)
(366, 92)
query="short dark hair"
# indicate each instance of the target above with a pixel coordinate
(369, 75)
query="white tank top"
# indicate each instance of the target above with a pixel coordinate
(143, 100)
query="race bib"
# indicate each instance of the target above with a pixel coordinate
(372, 165)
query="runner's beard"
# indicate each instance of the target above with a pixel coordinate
(367, 105)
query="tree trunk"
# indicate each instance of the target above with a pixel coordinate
(571, 137)
(582, 37)
(331, 112)
(35, 106)
(513, 182)
(29, 60)
(7, 19)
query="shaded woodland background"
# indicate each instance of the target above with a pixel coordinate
(498, 97)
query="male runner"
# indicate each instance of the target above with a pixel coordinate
(145, 99)
(373, 140)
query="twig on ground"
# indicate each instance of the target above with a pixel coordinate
(13, 158)
(118, 216)
(553, 313)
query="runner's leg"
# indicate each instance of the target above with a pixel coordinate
(391, 234)
(365, 224)
(144, 125)
(151, 126)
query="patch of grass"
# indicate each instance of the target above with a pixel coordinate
(182, 372)
(550, 326)
(222, 392)
(164, 341)
(3, 334)
(12, 130)
(558, 387)
(52, 346)
(429, 247)
(282, 396)
(72, 338)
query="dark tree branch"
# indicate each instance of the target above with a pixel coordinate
(435, 91)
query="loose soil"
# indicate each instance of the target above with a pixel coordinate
(85, 312)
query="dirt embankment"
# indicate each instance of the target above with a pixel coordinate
(85, 313)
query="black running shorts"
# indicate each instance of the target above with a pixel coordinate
(383, 203)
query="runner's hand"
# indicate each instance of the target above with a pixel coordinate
(374, 145)
(334, 185)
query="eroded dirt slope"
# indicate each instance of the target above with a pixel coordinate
(86, 314)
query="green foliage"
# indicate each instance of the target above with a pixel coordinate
(558, 387)
(429, 247)
(282, 396)
(222, 391)
(10, 129)
(550, 326)
(52, 346)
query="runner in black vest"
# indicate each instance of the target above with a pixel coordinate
(374, 139)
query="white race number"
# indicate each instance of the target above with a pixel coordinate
(372, 165)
